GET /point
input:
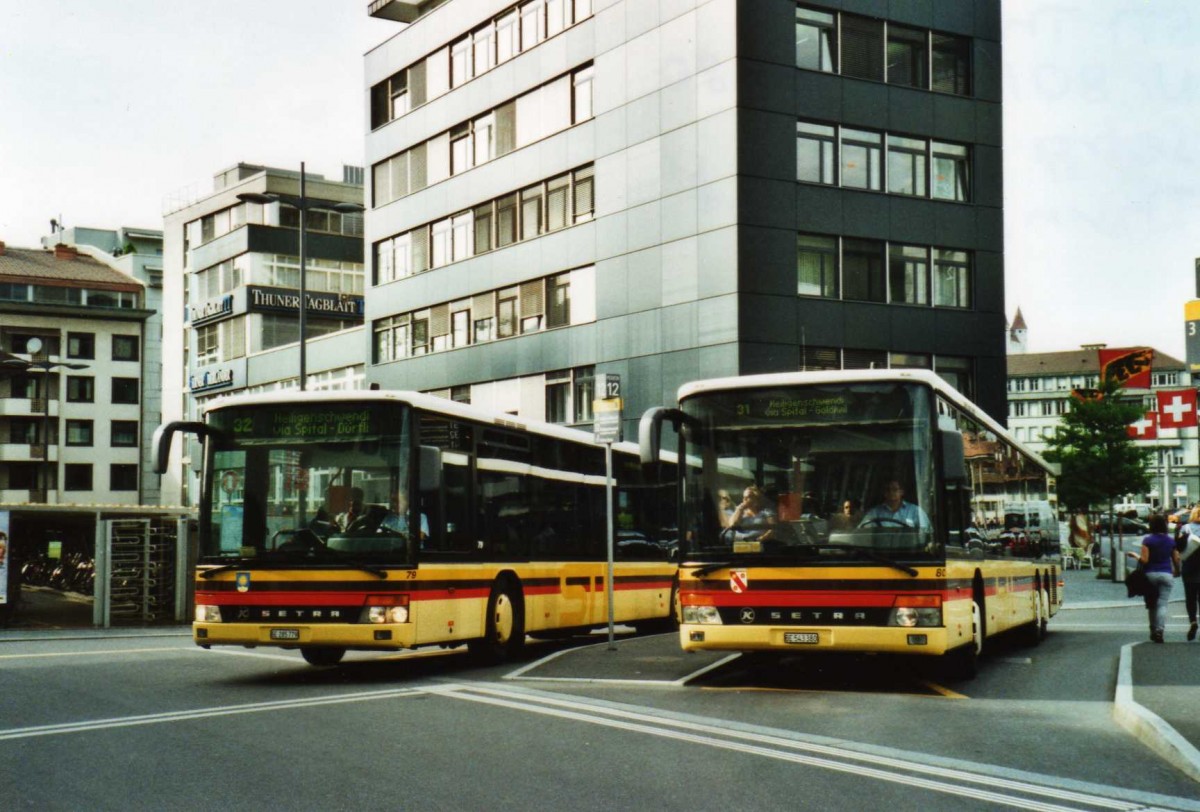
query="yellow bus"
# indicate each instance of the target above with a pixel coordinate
(853, 511)
(390, 520)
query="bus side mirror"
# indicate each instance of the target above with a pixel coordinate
(161, 443)
(954, 463)
(650, 431)
(431, 468)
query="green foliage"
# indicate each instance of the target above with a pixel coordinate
(1098, 459)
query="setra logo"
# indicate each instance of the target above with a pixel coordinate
(243, 582)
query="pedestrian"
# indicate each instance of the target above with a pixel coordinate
(1160, 562)
(1190, 567)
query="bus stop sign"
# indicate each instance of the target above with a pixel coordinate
(606, 409)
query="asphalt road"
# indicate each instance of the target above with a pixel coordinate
(145, 722)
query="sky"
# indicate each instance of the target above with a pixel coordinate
(108, 110)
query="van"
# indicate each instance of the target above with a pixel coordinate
(1136, 510)
(1036, 521)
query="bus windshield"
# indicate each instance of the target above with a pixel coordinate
(821, 472)
(321, 483)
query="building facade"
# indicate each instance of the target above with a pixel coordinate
(1039, 394)
(72, 342)
(679, 190)
(231, 280)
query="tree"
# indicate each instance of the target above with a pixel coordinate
(1098, 460)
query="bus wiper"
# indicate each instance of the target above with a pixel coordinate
(223, 568)
(883, 559)
(380, 572)
(708, 569)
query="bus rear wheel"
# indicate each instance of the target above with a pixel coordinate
(504, 628)
(323, 655)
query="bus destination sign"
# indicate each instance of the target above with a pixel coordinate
(816, 407)
(301, 424)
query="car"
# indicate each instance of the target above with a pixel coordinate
(1126, 525)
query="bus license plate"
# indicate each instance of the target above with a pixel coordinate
(808, 638)
(285, 634)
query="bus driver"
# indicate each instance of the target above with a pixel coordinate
(894, 511)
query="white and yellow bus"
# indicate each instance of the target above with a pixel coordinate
(870, 531)
(391, 520)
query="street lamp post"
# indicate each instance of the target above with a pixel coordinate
(302, 204)
(34, 346)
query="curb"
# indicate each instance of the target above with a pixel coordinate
(1149, 727)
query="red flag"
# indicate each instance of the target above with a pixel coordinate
(1129, 367)
(1177, 409)
(1144, 429)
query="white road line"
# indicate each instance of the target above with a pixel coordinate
(201, 713)
(824, 756)
(519, 674)
(93, 652)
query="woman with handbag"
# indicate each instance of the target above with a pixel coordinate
(1189, 540)
(1160, 561)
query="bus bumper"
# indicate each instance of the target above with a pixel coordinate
(928, 640)
(292, 635)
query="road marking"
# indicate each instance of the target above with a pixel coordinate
(915, 773)
(201, 713)
(520, 673)
(91, 653)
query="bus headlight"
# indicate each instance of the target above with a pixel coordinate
(385, 609)
(701, 614)
(916, 610)
(206, 613)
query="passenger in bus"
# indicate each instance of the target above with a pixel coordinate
(894, 511)
(397, 517)
(848, 518)
(753, 519)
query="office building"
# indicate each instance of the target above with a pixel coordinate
(231, 280)
(679, 190)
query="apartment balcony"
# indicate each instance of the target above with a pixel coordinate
(27, 407)
(401, 12)
(25, 452)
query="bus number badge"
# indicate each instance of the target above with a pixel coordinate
(738, 581)
(243, 582)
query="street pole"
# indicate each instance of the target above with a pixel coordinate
(303, 283)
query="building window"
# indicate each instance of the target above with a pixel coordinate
(79, 432)
(816, 40)
(863, 270)
(558, 295)
(81, 389)
(584, 196)
(816, 266)
(907, 56)
(907, 165)
(956, 372)
(122, 477)
(862, 158)
(819, 358)
(558, 396)
(908, 270)
(77, 477)
(910, 360)
(507, 317)
(951, 172)
(815, 148)
(951, 64)
(125, 348)
(124, 390)
(531, 212)
(862, 47)
(584, 393)
(81, 345)
(460, 328)
(124, 434)
(581, 95)
(952, 278)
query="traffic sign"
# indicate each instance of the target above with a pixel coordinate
(1191, 317)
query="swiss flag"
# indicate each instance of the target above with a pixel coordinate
(1177, 409)
(1144, 429)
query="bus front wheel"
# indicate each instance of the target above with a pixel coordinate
(323, 655)
(504, 627)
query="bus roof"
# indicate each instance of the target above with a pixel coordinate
(923, 376)
(419, 400)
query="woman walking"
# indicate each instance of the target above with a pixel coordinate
(1160, 562)
(1191, 571)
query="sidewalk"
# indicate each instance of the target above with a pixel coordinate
(1158, 686)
